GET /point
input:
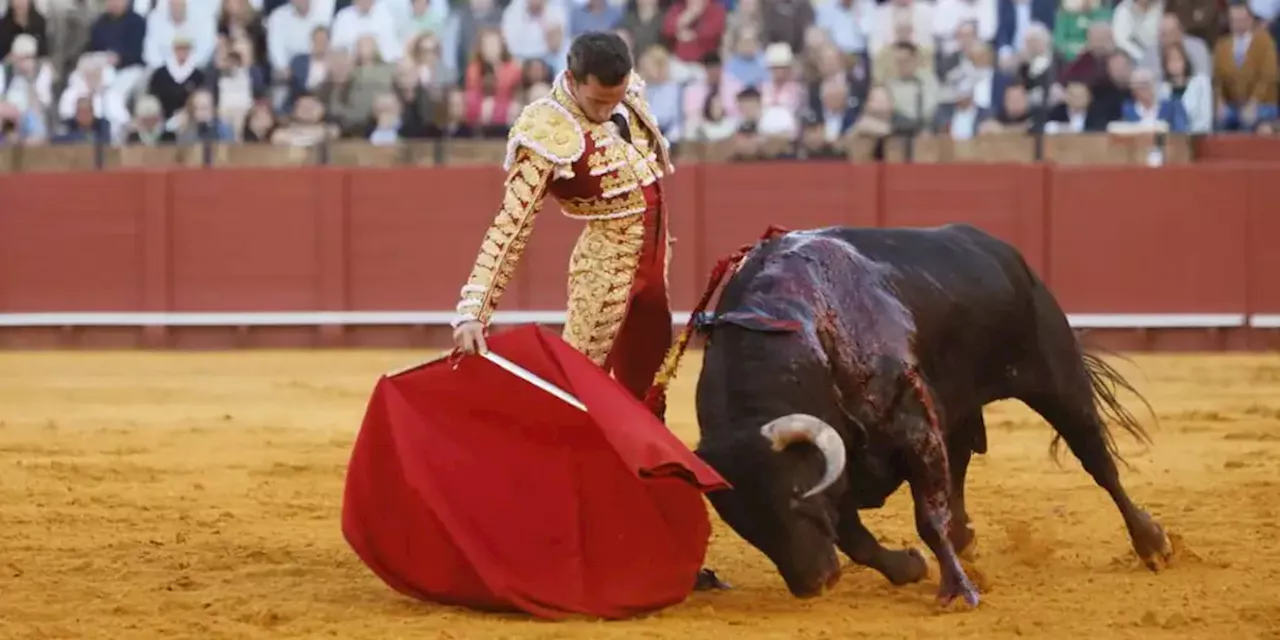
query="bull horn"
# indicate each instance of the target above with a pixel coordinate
(799, 427)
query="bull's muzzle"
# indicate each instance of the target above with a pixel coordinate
(800, 427)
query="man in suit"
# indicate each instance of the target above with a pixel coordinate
(1244, 72)
(834, 109)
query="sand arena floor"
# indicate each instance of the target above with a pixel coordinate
(198, 496)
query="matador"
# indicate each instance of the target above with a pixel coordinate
(594, 146)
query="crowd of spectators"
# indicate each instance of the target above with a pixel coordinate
(300, 71)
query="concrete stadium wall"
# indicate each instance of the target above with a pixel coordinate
(1179, 257)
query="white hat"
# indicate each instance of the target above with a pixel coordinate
(25, 45)
(778, 54)
(148, 106)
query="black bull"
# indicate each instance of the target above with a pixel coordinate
(842, 362)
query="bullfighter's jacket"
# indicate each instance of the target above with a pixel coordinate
(595, 175)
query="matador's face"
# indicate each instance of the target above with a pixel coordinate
(596, 100)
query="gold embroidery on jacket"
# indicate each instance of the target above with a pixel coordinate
(506, 238)
(601, 272)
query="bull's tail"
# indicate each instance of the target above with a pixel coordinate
(1106, 383)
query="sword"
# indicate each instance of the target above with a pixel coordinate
(533, 379)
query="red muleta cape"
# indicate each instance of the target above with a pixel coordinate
(473, 487)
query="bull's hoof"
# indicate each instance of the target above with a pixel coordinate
(958, 586)
(904, 567)
(965, 542)
(707, 580)
(1152, 544)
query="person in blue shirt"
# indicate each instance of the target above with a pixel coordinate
(1146, 107)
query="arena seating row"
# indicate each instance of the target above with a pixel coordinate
(1086, 149)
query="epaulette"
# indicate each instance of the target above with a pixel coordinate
(546, 128)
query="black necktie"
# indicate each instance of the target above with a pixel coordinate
(624, 129)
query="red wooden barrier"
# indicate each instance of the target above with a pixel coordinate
(1175, 257)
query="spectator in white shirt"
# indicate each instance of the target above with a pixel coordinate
(530, 28)
(28, 83)
(1136, 25)
(289, 33)
(92, 80)
(163, 27)
(948, 15)
(882, 30)
(366, 17)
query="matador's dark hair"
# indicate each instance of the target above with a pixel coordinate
(601, 54)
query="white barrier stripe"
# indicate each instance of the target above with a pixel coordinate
(442, 318)
(1265, 321)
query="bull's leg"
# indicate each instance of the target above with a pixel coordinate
(1082, 429)
(960, 448)
(929, 477)
(901, 567)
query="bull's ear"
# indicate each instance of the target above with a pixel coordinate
(757, 321)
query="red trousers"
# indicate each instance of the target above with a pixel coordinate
(646, 333)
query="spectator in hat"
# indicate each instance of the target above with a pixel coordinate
(148, 125)
(92, 80)
(1244, 72)
(960, 117)
(174, 82)
(20, 18)
(781, 89)
(164, 28)
(25, 81)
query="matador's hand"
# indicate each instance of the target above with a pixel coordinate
(469, 337)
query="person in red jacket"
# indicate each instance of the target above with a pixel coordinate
(694, 28)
